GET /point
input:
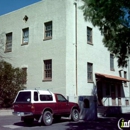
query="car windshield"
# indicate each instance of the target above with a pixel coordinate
(24, 97)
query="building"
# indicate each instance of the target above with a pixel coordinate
(63, 53)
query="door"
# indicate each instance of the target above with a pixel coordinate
(99, 93)
(63, 105)
(113, 95)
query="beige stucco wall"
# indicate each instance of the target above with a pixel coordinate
(61, 49)
(96, 54)
(33, 54)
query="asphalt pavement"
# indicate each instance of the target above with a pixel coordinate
(101, 123)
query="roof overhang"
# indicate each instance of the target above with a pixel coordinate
(111, 77)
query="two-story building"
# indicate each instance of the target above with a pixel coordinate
(62, 52)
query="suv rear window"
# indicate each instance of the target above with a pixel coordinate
(46, 97)
(24, 97)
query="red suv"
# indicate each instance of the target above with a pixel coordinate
(43, 106)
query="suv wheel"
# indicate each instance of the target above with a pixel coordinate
(47, 118)
(75, 115)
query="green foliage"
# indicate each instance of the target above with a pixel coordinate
(11, 81)
(113, 19)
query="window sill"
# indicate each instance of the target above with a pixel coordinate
(46, 80)
(47, 38)
(90, 81)
(112, 69)
(26, 43)
(90, 43)
(6, 51)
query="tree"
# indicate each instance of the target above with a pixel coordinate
(11, 81)
(113, 19)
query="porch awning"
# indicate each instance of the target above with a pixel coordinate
(111, 77)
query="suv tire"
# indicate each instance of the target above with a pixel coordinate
(75, 115)
(47, 118)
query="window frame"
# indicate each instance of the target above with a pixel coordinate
(90, 35)
(47, 24)
(26, 98)
(8, 42)
(90, 73)
(61, 98)
(24, 30)
(125, 76)
(36, 96)
(112, 62)
(47, 97)
(47, 70)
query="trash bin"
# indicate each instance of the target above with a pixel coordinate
(88, 107)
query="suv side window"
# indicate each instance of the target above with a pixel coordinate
(60, 98)
(35, 96)
(46, 97)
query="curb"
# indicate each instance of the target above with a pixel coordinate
(6, 112)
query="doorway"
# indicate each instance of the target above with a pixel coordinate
(113, 94)
(119, 95)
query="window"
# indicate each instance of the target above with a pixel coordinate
(24, 97)
(46, 97)
(125, 76)
(25, 39)
(25, 75)
(8, 47)
(47, 69)
(35, 96)
(112, 62)
(89, 35)
(48, 30)
(90, 72)
(60, 98)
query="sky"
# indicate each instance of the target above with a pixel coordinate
(7, 6)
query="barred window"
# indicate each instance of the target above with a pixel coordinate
(8, 46)
(25, 36)
(112, 62)
(89, 35)
(47, 69)
(48, 30)
(125, 76)
(90, 72)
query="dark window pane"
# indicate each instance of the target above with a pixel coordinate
(35, 96)
(24, 97)
(46, 97)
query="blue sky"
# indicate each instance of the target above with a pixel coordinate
(7, 6)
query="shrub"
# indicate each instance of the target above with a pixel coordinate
(11, 81)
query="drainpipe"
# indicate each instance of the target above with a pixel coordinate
(76, 48)
(129, 75)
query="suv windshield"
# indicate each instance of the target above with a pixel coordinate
(24, 97)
